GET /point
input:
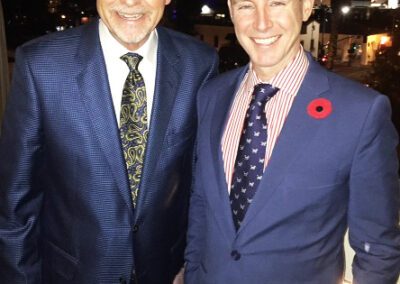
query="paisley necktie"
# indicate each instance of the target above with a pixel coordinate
(133, 122)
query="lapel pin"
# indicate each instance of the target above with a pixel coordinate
(319, 108)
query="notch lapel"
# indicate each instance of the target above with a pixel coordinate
(168, 79)
(218, 196)
(96, 95)
(298, 129)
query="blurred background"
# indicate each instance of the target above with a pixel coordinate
(358, 39)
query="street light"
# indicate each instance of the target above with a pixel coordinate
(205, 10)
(345, 10)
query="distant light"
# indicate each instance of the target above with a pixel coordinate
(82, 13)
(84, 20)
(384, 40)
(393, 4)
(345, 9)
(220, 16)
(63, 16)
(60, 28)
(205, 10)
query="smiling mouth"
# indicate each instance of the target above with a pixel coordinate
(266, 41)
(130, 16)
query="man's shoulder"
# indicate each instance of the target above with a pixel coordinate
(63, 42)
(350, 89)
(342, 87)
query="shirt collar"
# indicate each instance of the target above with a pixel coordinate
(111, 47)
(282, 80)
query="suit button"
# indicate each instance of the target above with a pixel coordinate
(235, 255)
(135, 228)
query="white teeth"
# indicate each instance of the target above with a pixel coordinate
(266, 41)
(130, 17)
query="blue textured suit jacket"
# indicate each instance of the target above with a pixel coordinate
(324, 175)
(66, 215)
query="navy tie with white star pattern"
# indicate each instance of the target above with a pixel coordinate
(249, 165)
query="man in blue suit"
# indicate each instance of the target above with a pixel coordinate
(290, 155)
(93, 190)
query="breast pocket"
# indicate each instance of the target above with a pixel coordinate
(180, 136)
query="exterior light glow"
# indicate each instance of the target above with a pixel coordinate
(393, 4)
(384, 40)
(345, 10)
(205, 10)
(63, 17)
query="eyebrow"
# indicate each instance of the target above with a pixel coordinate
(238, 1)
(267, 1)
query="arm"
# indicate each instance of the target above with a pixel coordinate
(20, 200)
(373, 213)
(197, 209)
(191, 248)
(196, 226)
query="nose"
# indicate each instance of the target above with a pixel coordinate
(263, 19)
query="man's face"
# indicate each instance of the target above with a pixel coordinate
(131, 21)
(269, 31)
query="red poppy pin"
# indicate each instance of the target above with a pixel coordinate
(319, 108)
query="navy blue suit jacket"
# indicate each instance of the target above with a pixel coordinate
(66, 214)
(324, 175)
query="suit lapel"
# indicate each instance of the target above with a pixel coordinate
(96, 96)
(166, 88)
(218, 196)
(298, 129)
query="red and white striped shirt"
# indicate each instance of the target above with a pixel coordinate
(277, 109)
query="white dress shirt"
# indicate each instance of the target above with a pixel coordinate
(118, 70)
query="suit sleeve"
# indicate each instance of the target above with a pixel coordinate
(20, 198)
(373, 213)
(197, 210)
(196, 227)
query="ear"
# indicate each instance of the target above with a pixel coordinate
(307, 8)
(167, 2)
(230, 9)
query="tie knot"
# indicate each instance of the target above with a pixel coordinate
(132, 60)
(264, 92)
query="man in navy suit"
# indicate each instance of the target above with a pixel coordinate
(93, 190)
(288, 156)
